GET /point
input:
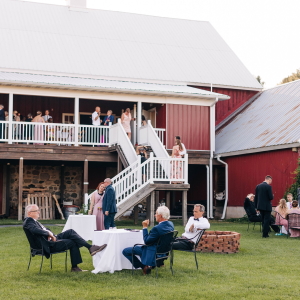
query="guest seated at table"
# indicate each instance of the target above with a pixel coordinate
(254, 215)
(68, 240)
(147, 253)
(294, 210)
(281, 213)
(194, 224)
(96, 205)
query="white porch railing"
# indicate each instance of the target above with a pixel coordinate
(161, 134)
(54, 133)
(135, 177)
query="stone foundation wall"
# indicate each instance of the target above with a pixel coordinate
(48, 178)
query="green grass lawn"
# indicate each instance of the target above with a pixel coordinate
(263, 269)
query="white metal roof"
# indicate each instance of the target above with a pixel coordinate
(270, 120)
(66, 82)
(52, 38)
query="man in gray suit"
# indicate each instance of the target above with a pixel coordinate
(263, 198)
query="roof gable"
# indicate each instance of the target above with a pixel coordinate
(52, 38)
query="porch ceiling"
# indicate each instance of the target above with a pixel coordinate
(117, 86)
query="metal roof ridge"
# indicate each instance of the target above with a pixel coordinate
(280, 85)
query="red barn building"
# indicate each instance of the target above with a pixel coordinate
(68, 59)
(261, 138)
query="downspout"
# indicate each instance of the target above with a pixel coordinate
(226, 185)
(207, 191)
(212, 149)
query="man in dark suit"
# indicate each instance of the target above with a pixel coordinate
(109, 118)
(2, 118)
(55, 243)
(263, 198)
(109, 206)
(147, 253)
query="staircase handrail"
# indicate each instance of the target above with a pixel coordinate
(117, 135)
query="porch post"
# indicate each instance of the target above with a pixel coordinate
(168, 203)
(136, 214)
(134, 139)
(85, 176)
(184, 208)
(139, 120)
(152, 203)
(20, 198)
(10, 117)
(76, 119)
(156, 199)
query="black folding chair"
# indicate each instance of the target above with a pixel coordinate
(163, 248)
(249, 222)
(199, 236)
(36, 248)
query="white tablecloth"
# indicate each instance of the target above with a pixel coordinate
(84, 225)
(111, 258)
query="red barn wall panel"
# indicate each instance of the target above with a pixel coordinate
(191, 123)
(226, 107)
(246, 171)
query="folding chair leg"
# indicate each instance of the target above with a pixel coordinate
(254, 225)
(66, 261)
(156, 269)
(51, 261)
(196, 259)
(171, 261)
(42, 263)
(29, 262)
(248, 225)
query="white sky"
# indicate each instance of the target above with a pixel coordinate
(264, 34)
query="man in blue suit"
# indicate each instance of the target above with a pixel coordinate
(109, 118)
(109, 206)
(147, 253)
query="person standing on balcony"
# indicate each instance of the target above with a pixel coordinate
(38, 129)
(2, 118)
(125, 120)
(96, 121)
(46, 117)
(109, 206)
(109, 118)
(177, 139)
(176, 166)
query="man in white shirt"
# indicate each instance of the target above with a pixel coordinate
(194, 224)
(183, 152)
(46, 117)
(96, 116)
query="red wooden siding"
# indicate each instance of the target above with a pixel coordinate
(191, 123)
(1, 189)
(246, 171)
(226, 107)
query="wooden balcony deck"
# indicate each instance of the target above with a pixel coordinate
(56, 153)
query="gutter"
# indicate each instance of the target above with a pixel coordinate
(226, 186)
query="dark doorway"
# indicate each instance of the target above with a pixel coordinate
(86, 119)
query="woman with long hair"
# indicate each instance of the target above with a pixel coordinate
(125, 121)
(176, 166)
(281, 213)
(38, 129)
(96, 205)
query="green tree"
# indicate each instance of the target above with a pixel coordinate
(293, 77)
(260, 81)
(293, 189)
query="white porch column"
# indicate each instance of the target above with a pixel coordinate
(10, 117)
(134, 139)
(76, 119)
(139, 120)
